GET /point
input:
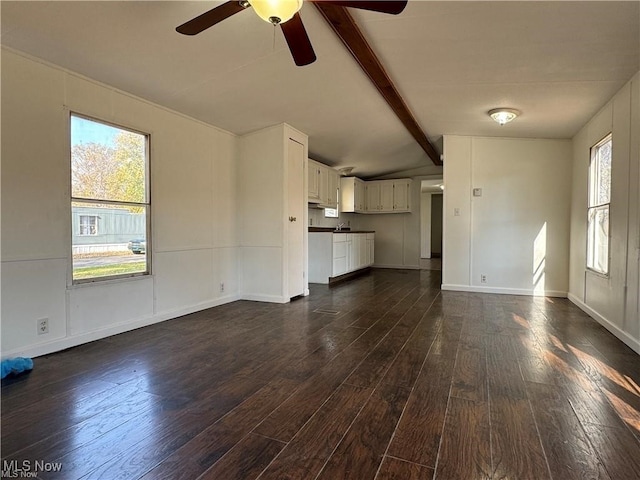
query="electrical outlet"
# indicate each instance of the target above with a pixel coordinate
(483, 278)
(221, 287)
(43, 326)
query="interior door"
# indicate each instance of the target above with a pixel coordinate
(295, 216)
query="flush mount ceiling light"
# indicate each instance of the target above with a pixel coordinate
(503, 115)
(345, 171)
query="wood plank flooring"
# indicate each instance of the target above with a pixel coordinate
(382, 377)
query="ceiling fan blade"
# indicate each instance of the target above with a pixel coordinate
(298, 41)
(384, 6)
(210, 18)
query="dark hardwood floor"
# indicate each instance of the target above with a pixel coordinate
(383, 377)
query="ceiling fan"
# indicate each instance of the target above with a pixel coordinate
(284, 13)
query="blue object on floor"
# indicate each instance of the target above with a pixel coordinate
(16, 366)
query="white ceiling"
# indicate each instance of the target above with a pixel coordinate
(558, 62)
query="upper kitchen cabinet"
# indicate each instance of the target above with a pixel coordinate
(313, 172)
(402, 195)
(388, 196)
(376, 196)
(273, 210)
(324, 185)
(332, 190)
(352, 195)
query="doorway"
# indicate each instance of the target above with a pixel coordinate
(431, 204)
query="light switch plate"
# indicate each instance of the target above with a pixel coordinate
(477, 192)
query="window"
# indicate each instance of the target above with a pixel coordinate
(88, 225)
(109, 200)
(598, 208)
(331, 213)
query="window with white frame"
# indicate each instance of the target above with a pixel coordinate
(331, 213)
(88, 225)
(598, 207)
(109, 200)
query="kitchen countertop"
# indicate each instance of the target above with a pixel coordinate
(333, 230)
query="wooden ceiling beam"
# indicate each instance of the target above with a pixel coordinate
(345, 27)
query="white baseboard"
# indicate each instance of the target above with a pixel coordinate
(73, 341)
(631, 342)
(503, 291)
(265, 298)
(397, 267)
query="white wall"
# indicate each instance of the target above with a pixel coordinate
(517, 232)
(193, 191)
(613, 300)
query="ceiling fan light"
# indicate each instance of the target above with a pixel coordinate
(503, 115)
(276, 11)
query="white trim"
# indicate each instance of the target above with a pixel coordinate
(503, 291)
(623, 336)
(73, 341)
(398, 267)
(265, 298)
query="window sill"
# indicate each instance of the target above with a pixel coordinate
(109, 280)
(595, 273)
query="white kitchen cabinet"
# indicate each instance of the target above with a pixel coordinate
(333, 186)
(388, 196)
(372, 192)
(402, 195)
(313, 173)
(324, 184)
(370, 239)
(352, 195)
(334, 254)
(329, 181)
(352, 254)
(379, 196)
(340, 254)
(359, 250)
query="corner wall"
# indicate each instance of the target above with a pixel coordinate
(516, 234)
(613, 300)
(193, 194)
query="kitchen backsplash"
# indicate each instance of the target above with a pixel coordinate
(317, 219)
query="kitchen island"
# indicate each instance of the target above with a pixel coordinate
(336, 255)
